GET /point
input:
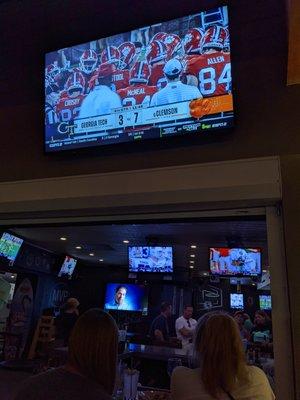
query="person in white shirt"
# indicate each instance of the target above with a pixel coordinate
(185, 326)
(175, 91)
(222, 371)
(101, 100)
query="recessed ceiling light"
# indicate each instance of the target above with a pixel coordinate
(78, 247)
(92, 254)
(126, 241)
(253, 284)
(192, 261)
(191, 266)
(205, 273)
(192, 255)
(101, 259)
(13, 277)
(63, 238)
(264, 270)
(193, 246)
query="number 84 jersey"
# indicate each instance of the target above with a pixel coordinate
(212, 72)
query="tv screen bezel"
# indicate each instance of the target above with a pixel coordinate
(127, 311)
(219, 134)
(150, 272)
(236, 275)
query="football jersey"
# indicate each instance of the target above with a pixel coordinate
(137, 94)
(120, 79)
(157, 76)
(175, 92)
(68, 108)
(87, 78)
(213, 72)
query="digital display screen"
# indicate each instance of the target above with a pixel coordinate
(265, 302)
(150, 259)
(67, 268)
(225, 261)
(236, 300)
(10, 246)
(163, 80)
(126, 297)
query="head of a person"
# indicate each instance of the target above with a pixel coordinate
(239, 318)
(219, 352)
(188, 311)
(173, 69)
(93, 347)
(166, 309)
(26, 302)
(71, 305)
(260, 318)
(105, 73)
(120, 294)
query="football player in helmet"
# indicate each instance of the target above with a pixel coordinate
(175, 91)
(68, 106)
(159, 36)
(52, 96)
(120, 78)
(138, 92)
(52, 70)
(127, 53)
(192, 41)
(88, 61)
(102, 99)
(173, 45)
(156, 54)
(211, 71)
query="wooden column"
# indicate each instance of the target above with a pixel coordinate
(294, 42)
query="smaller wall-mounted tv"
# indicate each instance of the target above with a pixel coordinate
(67, 268)
(10, 246)
(150, 259)
(237, 301)
(265, 302)
(225, 261)
(126, 297)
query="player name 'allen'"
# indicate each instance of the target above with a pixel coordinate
(215, 60)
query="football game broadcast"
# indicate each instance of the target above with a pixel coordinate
(163, 80)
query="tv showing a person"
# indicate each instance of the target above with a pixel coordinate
(68, 267)
(126, 297)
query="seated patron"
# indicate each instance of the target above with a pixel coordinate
(159, 330)
(185, 326)
(240, 319)
(262, 330)
(91, 368)
(222, 371)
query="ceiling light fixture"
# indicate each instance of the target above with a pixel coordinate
(191, 266)
(101, 260)
(126, 241)
(264, 270)
(193, 246)
(192, 255)
(78, 247)
(63, 238)
(92, 254)
(192, 261)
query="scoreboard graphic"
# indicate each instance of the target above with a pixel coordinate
(166, 80)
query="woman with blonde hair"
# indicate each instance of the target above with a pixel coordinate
(91, 368)
(222, 371)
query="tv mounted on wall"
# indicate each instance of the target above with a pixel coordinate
(67, 268)
(126, 297)
(150, 259)
(163, 80)
(9, 247)
(225, 261)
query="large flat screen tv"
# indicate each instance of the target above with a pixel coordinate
(67, 268)
(150, 259)
(10, 246)
(225, 261)
(163, 80)
(126, 297)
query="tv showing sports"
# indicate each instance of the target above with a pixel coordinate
(225, 261)
(126, 297)
(162, 80)
(9, 247)
(265, 302)
(237, 301)
(67, 268)
(150, 259)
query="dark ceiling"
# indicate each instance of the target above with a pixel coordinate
(106, 241)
